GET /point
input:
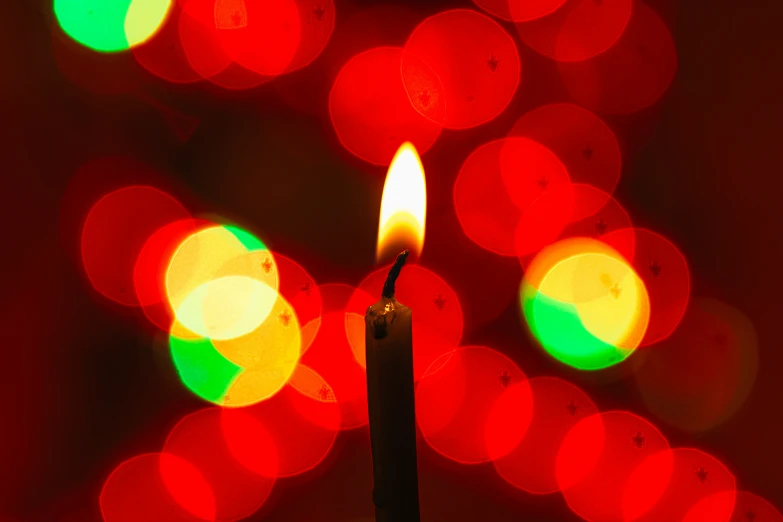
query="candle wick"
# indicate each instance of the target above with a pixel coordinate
(394, 272)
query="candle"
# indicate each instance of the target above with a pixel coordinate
(389, 349)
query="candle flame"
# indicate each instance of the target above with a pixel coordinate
(403, 206)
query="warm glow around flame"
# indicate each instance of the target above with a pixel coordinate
(403, 206)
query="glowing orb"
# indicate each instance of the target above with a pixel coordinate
(157, 486)
(218, 275)
(589, 310)
(111, 25)
(241, 370)
(234, 453)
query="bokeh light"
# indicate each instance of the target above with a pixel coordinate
(316, 19)
(581, 140)
(114, 233)
(496, 182)
(299, 288)
(260, 36)
(668, 485)
(208, 255)
(701, 375)
(597, 457)
(459, 407)
(158, 487)
(437, 314)
(748, 507)
(519, 10)
(110, 25)
(201, 43)
(474, 58)
(568, 211)
(149, 272)
(589, 310)
(201, 368)
(234, 453)
(303, 419)
(635, 73)
(370, 110)
(578, 30)
(557, 406)
(163, 55)
(611, 216)
(665, 273)
(330, 355)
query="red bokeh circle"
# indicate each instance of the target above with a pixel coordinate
(302, 418)
(635, 73)
(496, 182)
(668, 485)
(236, 454)
(596, 458)
(557, 406)
(370, 110)
(156, 487)
(114, 234)
(298, 287)
(665, 274)
(476, 61)
(700, 375)
(149, 272)
(519, 10)
(581, 140)
(579, 30)
(330, 355)
(457, 406)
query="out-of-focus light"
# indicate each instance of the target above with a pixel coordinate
(589, 310)
(578, 30)
(581, 140)
(699, 376)
(149, 272)
(557, 406)
(371, 112)
(476, 61)
(274, 343)
(114, 233)
(300, 290)
(111, 25)
(163, 54)
(459, 406)
(669, 484)
(497, 183)
(235, 454)
(157, 487)
(213, 253)
(331, 357)
(665, 273)
(201, 368)
(260, 36)
(227, 307)
(303, 419)
(519, 10)
(634, 74)
(596, 458)
(748, 507)
(437, 324)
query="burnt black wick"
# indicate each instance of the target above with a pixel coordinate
(394, 273)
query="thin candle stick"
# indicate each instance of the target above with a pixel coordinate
(390, 393)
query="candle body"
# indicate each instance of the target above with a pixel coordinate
(390, 394)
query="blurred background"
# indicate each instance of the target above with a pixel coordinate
(85, 382)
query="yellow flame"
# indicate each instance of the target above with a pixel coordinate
(403, 206)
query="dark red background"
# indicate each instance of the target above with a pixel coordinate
(84, 384)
